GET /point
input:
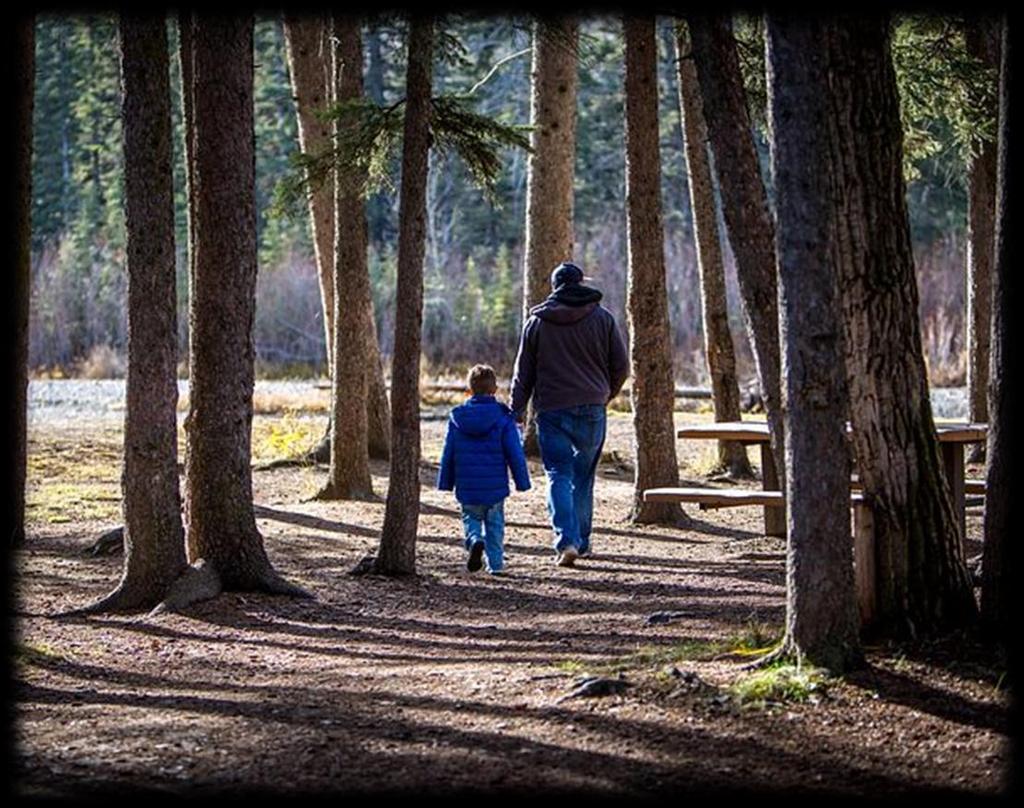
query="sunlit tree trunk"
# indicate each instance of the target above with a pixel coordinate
(397, 555)
(549, 177)
(982, 38)
(309, 61)
(922, 584)
(349, 476)
(718, 348)
(220, 523)
(745, 207)
(19, 77)
(650, 353)
(1001, 559)
(154, 540)
(822, 623)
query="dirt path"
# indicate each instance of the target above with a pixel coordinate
(456, 681)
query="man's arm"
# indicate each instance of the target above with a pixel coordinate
(618, 360)
(446, 474)
(525, 374)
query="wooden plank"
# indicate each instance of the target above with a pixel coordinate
(717, 497)
(739, 431)
(757, 431)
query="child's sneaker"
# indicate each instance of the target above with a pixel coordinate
(476, 554)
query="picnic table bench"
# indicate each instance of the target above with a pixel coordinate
(952, 438)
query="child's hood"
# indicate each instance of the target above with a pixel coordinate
(479, 415)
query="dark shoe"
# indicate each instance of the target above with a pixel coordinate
(476, 554)
(585, 552)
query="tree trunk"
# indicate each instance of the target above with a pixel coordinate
(549, 178)
(221, 526)
(982, 39)
(397, 554)
(20, 81)
(744, 203)
(349, 476)
(1000, 562)
(186, 64)
(922, 583)
(309, 63)
(822, 623)
(154, 539)
(721, 359)
(650, 352)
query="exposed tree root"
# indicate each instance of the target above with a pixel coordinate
(321, 453)
(272, 583)
(665, 513)
(109, 543)
(117, 601)
(365, 566)
(199, 582)
(784, 652)
(330, 492)
(284, 463)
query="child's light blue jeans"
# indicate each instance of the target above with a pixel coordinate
(486, 523)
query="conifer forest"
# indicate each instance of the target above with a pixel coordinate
(614, 403)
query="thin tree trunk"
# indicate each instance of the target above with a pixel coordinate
(982, 41)
(349, 476)
(154, 539)
(549, 182)
(822, 622)
(922, 583)
(744, 203)
(218, 477)
(186, 65)
(1000, 560)
(20, 79)
(650, 353)
(309, 62)
(397, 554)
(718, 348)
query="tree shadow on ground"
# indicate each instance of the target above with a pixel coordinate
(437, 743)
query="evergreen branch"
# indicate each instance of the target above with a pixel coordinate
(476, 139)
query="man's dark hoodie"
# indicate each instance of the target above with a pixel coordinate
(570, 353)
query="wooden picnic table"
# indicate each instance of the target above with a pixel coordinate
(953, 436)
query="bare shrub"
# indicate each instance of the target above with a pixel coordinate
(102, 362)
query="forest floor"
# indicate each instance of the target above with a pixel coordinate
(452, 681)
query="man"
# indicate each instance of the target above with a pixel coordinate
(573, 361)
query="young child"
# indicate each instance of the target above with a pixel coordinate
(481, 445)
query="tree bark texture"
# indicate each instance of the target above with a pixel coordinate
(718, 348)
(550, 169)
(397, 555)
(309, 63)
(744, 203)
(923, 584)
(982, 41)
(154, 539)
(822, 623)
(1001, 555)
(221, 526)
(650, 351)
(186, 64)
(20, 78)
(349, 476)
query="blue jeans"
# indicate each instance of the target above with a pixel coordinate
(570, 448)
(486, 523)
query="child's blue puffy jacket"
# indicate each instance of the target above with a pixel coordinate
(482, 444)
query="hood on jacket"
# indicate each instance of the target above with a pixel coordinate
(479, 415)
(570, 304)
